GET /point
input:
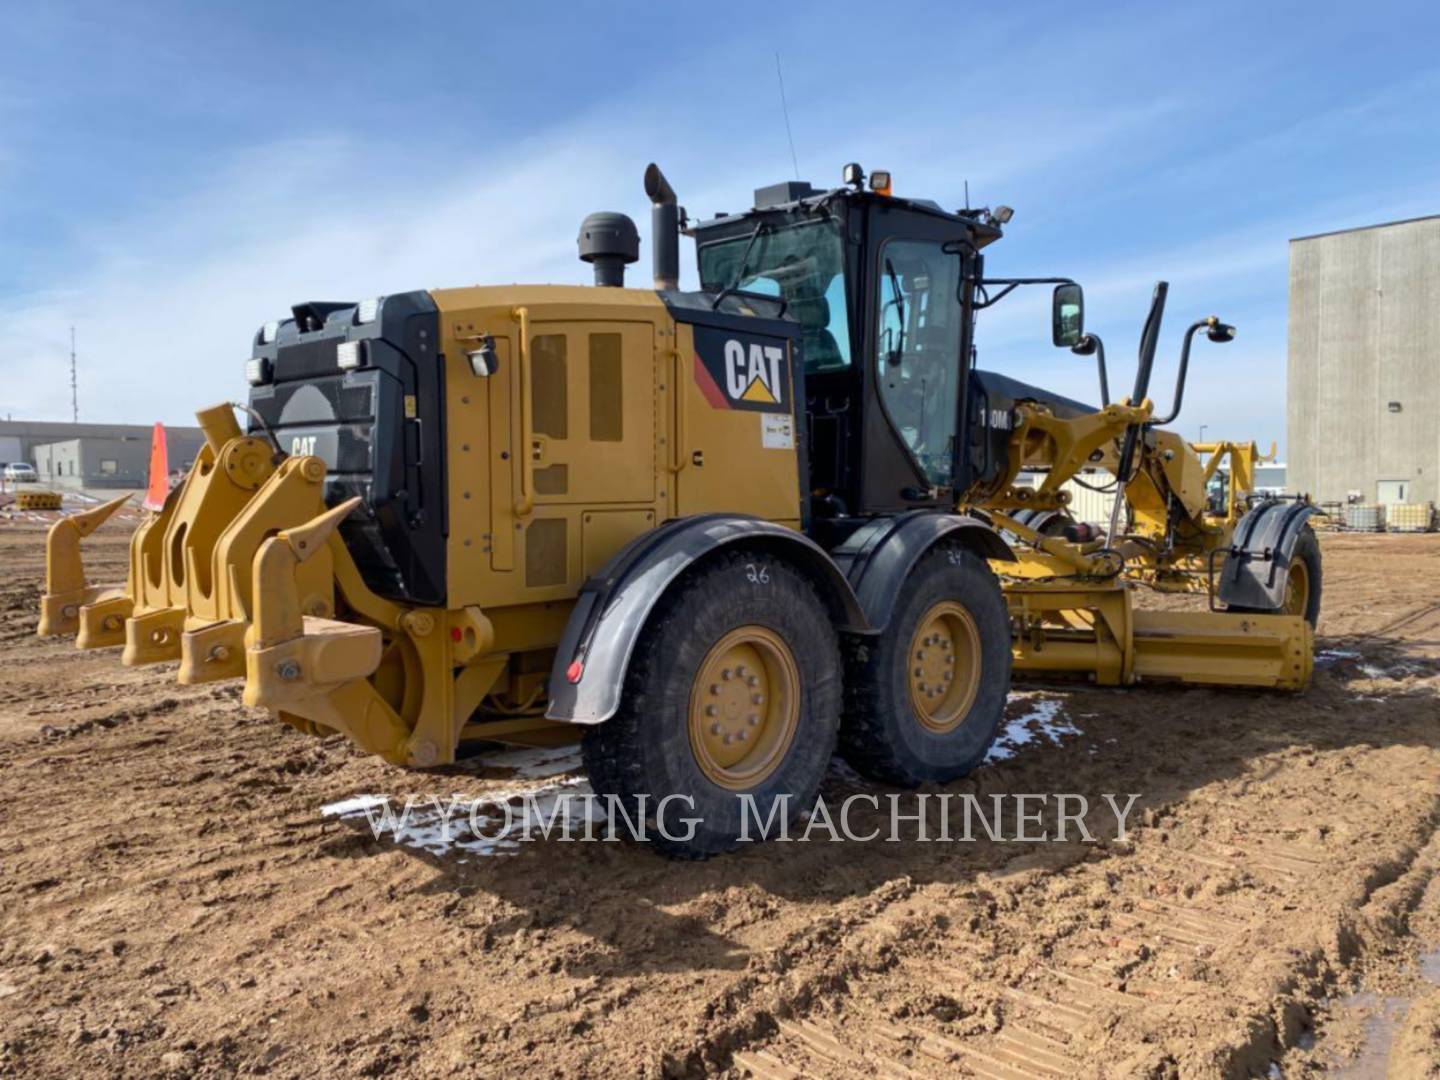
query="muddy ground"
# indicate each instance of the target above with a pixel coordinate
(173, 901)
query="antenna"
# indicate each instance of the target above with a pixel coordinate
(74, 390)
(967, 195)
(785, 111)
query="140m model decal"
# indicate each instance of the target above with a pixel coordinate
(742, 371)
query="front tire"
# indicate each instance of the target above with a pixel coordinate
(733, 690)
(925, 700)
(1302, 582)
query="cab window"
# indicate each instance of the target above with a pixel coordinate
(918, 350)
(804, 264)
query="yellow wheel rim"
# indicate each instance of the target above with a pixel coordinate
(1297, 589)
(944, 667)
(744, 707)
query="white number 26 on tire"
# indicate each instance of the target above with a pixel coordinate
(757, 575)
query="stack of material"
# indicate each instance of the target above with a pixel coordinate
(1330, 518)
(37, 500)
(1365, 518)
(1410, 517)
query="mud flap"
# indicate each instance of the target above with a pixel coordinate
(1257, 564)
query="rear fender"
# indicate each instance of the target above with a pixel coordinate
(588, 677)
(1257, 565)
(877, 558)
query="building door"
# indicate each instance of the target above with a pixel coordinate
(1394, 491)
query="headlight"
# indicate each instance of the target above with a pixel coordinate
(368, 310)
(348, 355)
(258, 371)
(268, 332)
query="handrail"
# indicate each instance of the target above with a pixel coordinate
(526, 503)
(678, 460)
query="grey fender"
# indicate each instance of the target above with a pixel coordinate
(588, 676)
(878, 557)
(1257, 564)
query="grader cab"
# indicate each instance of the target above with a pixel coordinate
(684, 527)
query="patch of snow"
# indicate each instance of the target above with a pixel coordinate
(1045, 722)
(353, 806)
(535, 764)
(464, 826)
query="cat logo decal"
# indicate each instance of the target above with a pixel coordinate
(742, 371)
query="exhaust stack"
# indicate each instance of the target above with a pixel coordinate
(664, 228)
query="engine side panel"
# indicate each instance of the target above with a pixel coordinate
(559, 457)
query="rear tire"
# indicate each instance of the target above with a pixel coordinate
(913, 715)
(734, 689)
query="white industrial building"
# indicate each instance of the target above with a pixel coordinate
(1363, 421)
(93, 455)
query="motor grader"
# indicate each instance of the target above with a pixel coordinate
(713, 534)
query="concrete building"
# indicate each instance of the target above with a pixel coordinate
(93, 455)
(1364, 364)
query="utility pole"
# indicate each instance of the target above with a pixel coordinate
(74, 385)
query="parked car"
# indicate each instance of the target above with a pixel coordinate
(20, 472)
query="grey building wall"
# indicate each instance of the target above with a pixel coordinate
(1365, 332)
(111, 463)
(19, 438)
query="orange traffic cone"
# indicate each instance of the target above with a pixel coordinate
(159, 471)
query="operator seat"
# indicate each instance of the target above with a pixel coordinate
(822, 351)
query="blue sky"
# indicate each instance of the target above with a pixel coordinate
(171, 176)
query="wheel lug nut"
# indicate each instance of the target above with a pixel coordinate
(752, 680)
(757, 699)
(729, 738)
(919, 672)
(725, 674)
(711, 710)
(714, 689)
(740, 735)
(753, 720)
(715, 729)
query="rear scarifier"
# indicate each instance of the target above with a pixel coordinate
(653, 746)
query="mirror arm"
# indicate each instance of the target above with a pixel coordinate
(1180, 376)
(1011, 284)
(1091, 343)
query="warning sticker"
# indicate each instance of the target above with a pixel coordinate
(777, 432)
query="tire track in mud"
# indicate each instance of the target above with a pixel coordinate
(1169, 925)
(1064, 1010)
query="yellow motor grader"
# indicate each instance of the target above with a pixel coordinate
(715, 534)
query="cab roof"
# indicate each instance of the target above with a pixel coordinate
(797, 196)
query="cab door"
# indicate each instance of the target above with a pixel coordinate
(915, 336)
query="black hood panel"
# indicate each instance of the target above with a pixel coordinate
(380, 429)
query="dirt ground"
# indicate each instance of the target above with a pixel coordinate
(173, 901)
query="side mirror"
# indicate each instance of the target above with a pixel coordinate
(483, 361)
(1067, 316)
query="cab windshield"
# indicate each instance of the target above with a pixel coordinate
(805, 265)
